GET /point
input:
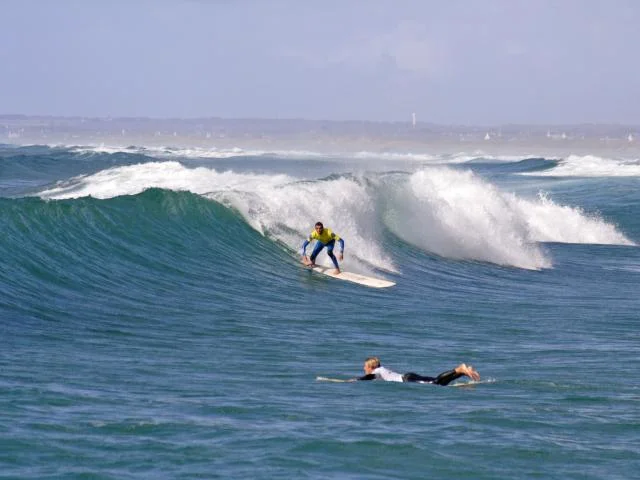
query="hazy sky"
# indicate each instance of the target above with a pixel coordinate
(450, 61)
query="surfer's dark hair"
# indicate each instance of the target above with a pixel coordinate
(319, 224)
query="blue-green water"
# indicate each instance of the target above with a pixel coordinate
(156, 323)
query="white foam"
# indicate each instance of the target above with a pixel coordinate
(592, 166)
(457, 214)
(549, 222)
(163, 152)
(166, 152)
(102, 148)
(133, 179)
(289, 211)
(280, 206)
(449, 212)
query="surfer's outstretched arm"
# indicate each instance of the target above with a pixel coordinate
(303, 252)
(304, 248)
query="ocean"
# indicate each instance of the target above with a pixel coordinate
(156, 321)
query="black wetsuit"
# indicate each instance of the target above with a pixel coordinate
(443, 379)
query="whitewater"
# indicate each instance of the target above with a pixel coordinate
(450, 212)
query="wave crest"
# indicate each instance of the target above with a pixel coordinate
(457, 214)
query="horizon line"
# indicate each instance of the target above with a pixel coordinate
(312, 120)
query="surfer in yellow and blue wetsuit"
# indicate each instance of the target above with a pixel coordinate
(324, 238)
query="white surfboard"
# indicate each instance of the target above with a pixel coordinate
(334, 380)
(354, 277)
(470, 383)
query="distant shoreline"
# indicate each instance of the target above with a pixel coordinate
(322, 135)
(370, 124)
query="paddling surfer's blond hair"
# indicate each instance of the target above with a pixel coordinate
(372, 362)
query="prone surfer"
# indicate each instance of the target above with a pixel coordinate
(375, 371)
(325, 238)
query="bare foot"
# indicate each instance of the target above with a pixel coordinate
(468, 371)
(336, 271)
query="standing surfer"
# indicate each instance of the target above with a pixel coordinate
(324, 238)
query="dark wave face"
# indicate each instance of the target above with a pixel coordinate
(528, 165)
(137, 249)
